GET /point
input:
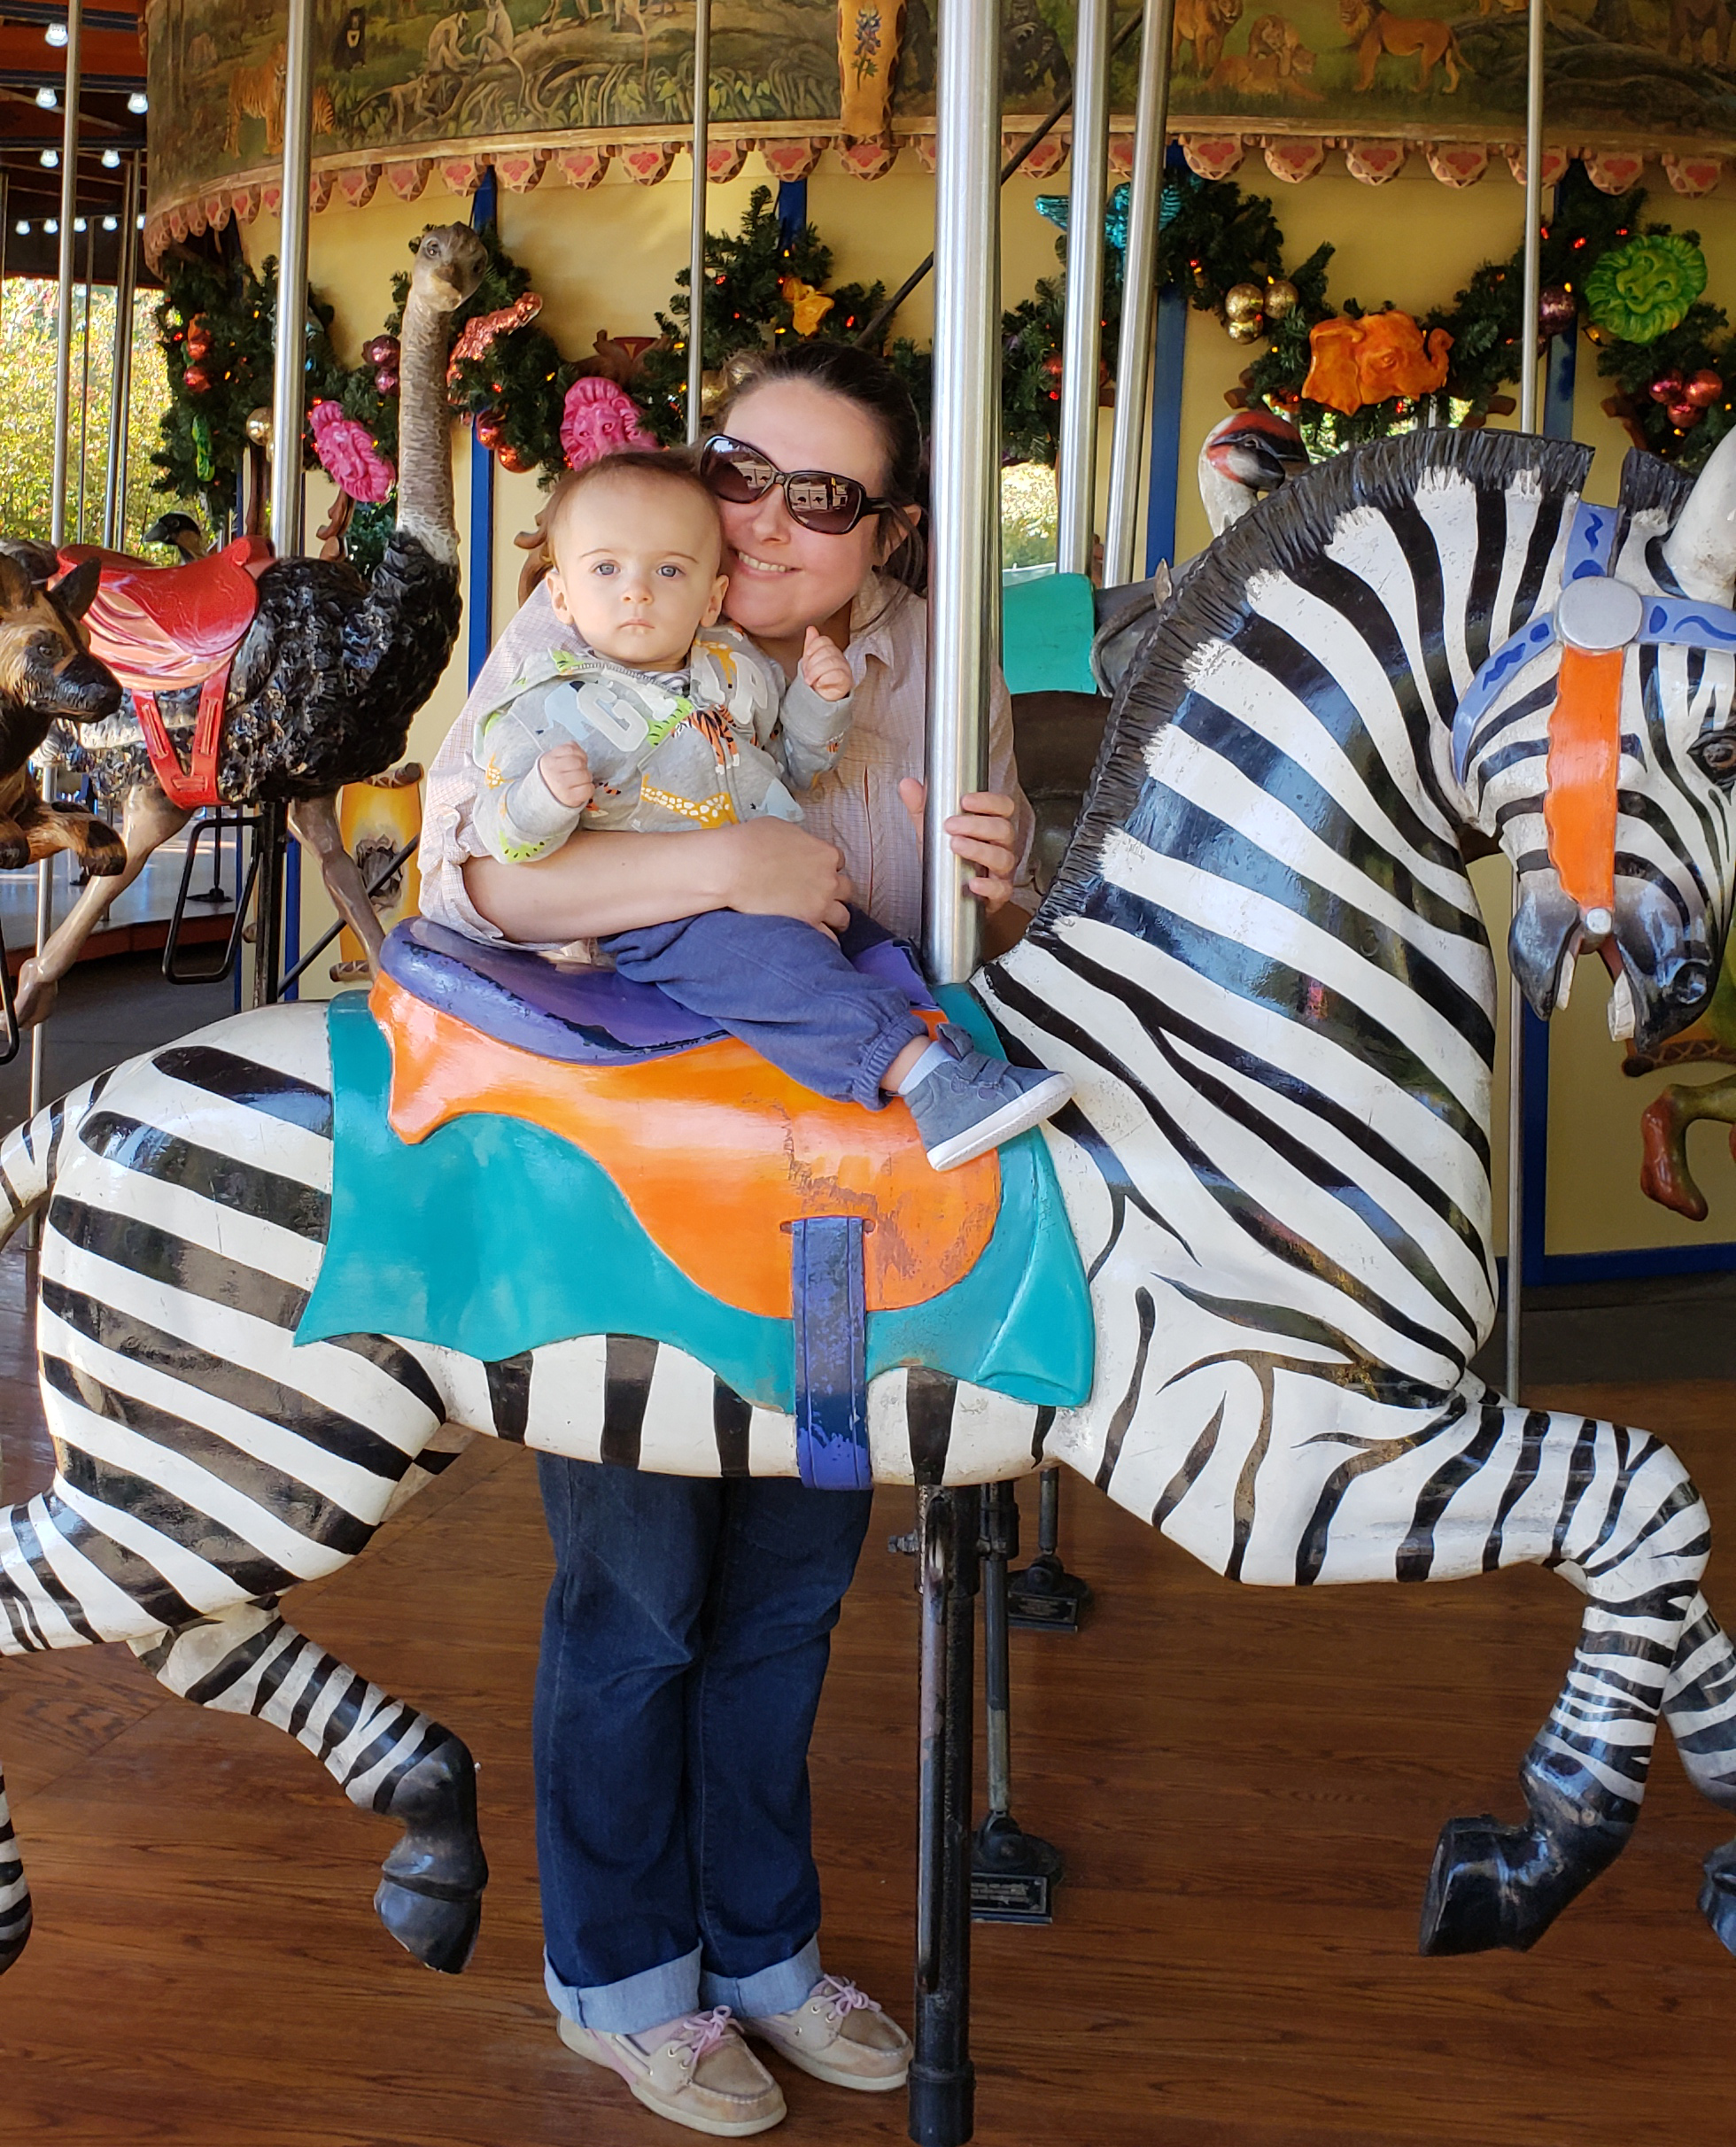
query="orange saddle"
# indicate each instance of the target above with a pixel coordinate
(161, 630)
(715, 1151)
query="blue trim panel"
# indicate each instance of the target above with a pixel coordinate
(479, 598)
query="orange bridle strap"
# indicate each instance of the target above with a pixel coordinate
(1585, 757)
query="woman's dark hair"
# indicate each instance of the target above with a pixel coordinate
(868, 381)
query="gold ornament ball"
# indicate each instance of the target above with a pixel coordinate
(1281, 299)
(1244, 302)
(713, 392)
(259, 427)
(1247, 331)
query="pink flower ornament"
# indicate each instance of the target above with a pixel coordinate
(348, 456)
(599, 418)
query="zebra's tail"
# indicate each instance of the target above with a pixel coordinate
(30, 1153)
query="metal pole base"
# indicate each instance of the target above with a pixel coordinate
(1012, 1873)
(943, 2083)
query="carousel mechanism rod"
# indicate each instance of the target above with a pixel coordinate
(697, 249)
(1529, 307)
(288, 373)
(120, 381)
(964, 609)
(1139, 294)
(1081, 330)
(870, 337)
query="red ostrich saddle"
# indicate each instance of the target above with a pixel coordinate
(161, 630)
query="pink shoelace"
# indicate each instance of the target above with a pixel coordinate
(701, 2032)
(842, 1997)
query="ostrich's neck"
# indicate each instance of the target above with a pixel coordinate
(424, 439)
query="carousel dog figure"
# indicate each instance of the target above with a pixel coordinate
(48, 676)
(281, 679)
(1262, 1263)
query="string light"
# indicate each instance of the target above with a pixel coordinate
(110, 223)
(110, 160)
(52, 227)
(54, 34)
(47, 99)
(78, 224)
(22, 227)
(49, 160)
(138, 102)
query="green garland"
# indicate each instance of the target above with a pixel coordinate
(1214, 239)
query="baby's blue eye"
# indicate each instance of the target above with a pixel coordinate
(670, 573)
(606, 566)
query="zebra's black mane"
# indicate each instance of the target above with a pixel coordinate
(1649, 482)
(1287, 531)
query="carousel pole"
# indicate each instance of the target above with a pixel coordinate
(1139, 292)
(964, 614)
(696, 235)
(1081, 334)
(63, 432)
(1529, 306)
(84, 372)
(121, 380)
(288, 383)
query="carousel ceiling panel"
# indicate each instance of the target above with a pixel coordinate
(557, 85)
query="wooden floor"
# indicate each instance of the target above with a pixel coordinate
(1247, 1786)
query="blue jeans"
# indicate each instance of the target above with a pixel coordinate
(784, 988)
(685, 1643)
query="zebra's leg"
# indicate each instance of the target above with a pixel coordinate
(1481, 1486)
(384, 1754)
(14, 1892)
(1700, 1705)
(1616, 1513)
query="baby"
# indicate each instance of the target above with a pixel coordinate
(670, 722)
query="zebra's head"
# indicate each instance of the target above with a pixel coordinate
(1597, 745)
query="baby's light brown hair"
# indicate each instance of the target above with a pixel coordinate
(639, 465)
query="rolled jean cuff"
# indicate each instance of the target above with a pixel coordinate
(637, 2001)
(778, 1989)
(880, 1054)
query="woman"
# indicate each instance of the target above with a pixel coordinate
(686, 1632)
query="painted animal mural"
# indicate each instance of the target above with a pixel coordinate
(1263, 964)
(309, 684)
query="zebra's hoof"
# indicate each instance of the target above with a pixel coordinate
(14, 1938)
(442, 1935)
(1464, 1902)
(441, 1852)
(1717, 1896)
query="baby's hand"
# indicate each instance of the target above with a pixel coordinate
(824, 668)
(568, 775)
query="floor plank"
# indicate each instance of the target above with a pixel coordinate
(1247, 1784)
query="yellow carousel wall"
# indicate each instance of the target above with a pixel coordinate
(606, 259)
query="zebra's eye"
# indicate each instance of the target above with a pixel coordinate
(1716, 757)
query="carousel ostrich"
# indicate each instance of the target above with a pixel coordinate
(325, 678)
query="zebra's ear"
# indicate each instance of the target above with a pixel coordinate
(1700, 550)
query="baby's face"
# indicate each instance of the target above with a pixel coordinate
(636, 568)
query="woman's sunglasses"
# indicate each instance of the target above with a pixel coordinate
(818, 499)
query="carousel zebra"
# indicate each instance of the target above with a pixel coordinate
(1264, 966)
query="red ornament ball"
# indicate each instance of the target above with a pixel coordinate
(514, 459)
(383, 350)
(1666, 388)
(386, 380)
(491, 429)
(1683, 415)
(1052, 365)
(1556, 312)
(1703, 388)
(196, 380)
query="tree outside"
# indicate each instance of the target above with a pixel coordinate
(27, 312)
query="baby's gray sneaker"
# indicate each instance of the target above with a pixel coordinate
(969, 1102)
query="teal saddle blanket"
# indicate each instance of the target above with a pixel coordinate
(492, 1236)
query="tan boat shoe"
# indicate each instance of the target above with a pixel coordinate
(840, 2036)
(696, 2070)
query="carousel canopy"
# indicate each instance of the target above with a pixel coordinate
(552, 90)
